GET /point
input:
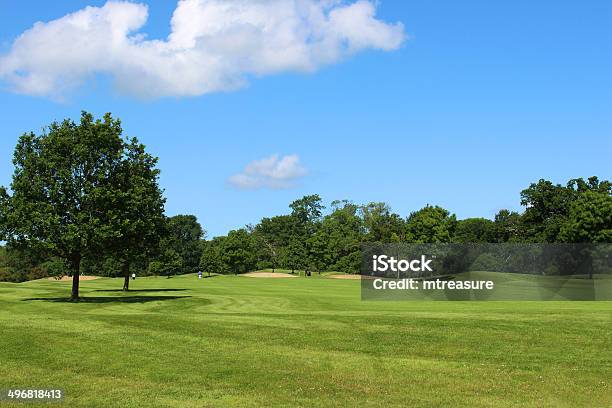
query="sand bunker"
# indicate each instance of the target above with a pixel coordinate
(69, 278)
(349, 276)
(268, 275)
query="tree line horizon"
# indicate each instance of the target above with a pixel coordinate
(85, 200)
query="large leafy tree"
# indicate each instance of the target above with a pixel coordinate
(167, 263)
(295, 255)
(306, 213)
(211, 259)
(238, 251)
(589, 219)
(507, 226)
(382, 225)
(139, 209)
(471, 230)
(430, 224)
(548, 206)
(184, 237)
(307, 210)
(73, 195)
(339, 238)
(272, 236)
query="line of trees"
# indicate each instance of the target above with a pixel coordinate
(86, 200)
(305, 239)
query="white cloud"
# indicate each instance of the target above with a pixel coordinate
(214, 45)
(271, 172)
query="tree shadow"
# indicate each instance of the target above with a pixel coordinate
(108, 299)
(139, 290)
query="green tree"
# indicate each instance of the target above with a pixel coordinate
(211, 260)
(380, 224)
(507, 226)
(589, 220)
(340, 234)
(306, 213)
(238, 251)
(272, 236)
(184, 236)
(547, 207)
(591, 184)
(168, 263)
(473, 230)
(307, 210)
(295, 254)
(64, 192)
(431, 224)
(139, 209)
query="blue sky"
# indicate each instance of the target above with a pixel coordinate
(481, 99)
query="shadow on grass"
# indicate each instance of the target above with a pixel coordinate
(139, 290)
(108, 299)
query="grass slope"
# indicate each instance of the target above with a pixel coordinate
(236, 341)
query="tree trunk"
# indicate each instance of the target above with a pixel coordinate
(76, 271)
(126, 276)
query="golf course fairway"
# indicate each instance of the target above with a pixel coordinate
(244, 342)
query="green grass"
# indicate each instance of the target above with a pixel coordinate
(248, 342)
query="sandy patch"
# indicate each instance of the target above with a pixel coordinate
(268, 275)
(349, 276)
(81, 278)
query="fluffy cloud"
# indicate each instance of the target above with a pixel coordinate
(272, 172)
(214, 45)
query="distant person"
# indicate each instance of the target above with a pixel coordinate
(199, 274)
(133, 276)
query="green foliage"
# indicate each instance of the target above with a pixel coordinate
(55, 267)
(211, 260)
(79, 191)
(21, 263)
(339, 238)
(431, 224)
(238, 251)
(306, 214)
(548, 208)
(474, 230)
(507, 226)
(63, 187)
(381, 225)
(169, 263)
(184, 236)
(86, 200)
(295, 255)
(272, 236)
(589, 219)
(487, 262)
(307, 209)
(307, 239)
(139, 210)
(5, 209)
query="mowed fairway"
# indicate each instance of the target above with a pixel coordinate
(239, 341)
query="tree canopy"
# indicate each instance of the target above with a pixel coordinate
(85, 198)
(80, 190)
